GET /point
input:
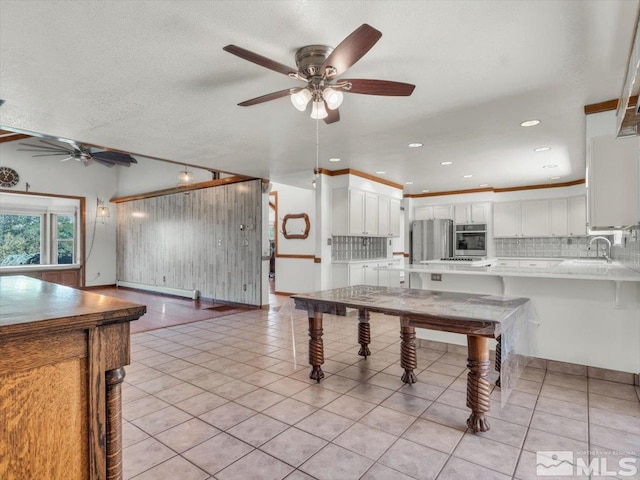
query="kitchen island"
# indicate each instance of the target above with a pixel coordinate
(588, 310)
(61, 370)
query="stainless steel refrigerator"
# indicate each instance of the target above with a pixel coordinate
(431, 240)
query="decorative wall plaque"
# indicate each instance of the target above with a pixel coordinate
(296, 226)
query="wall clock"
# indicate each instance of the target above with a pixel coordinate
(8, 177)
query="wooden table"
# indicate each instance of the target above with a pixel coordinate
(62, 353)
(479, 317)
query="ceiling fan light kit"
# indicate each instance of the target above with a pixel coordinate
(318, 66)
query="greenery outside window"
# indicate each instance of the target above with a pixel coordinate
(45, 233)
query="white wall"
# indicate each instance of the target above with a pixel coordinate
(49, 175)
(295, 275)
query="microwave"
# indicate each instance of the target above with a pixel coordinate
(471, 240)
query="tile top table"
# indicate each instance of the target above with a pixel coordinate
(480, 317)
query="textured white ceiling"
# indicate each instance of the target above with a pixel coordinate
(151, 77)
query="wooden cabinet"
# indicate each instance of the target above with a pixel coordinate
(61, 371)
(69, 278)
(471, 213)
(534, 218)
(613, 181)
(506, 219)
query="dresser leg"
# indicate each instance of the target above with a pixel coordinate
(114, 379)
(408, 359)
(364, 333)
(478, 388)
(498, 366)
(316, 348)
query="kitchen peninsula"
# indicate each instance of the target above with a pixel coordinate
(588, 310)
(61, 370)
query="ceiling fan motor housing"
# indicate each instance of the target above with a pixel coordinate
(309, 60)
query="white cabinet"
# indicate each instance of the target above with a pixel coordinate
(430, 212)
(443, 212)
(384, 212)
(363, 274)
(559, 220)
(395, 211)
(506, 219)
(577, 216)
(613, 181)
(507, 263)
(361, 215)
(534, 218)
(471, 213)
(386, 277)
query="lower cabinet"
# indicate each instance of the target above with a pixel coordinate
(375, 273)
(69, 278)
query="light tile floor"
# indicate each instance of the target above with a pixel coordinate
(229, 398)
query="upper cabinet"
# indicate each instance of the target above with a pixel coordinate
(471, 213)
(560, 217)
(431, 212)
(613, 181)
(366, 213)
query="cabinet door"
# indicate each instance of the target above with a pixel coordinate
(578, 216)
(356, 274)
(534, 218)
(423, 213)
(371, 213)
(370, 275)
(356, 212)
(394, 216)
(479, 212)
(506, 219)
(383, 215)
(442, 212)
(461, 214)
(559, 219)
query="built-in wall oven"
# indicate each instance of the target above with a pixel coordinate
(471, 239)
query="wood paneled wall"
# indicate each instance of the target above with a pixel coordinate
(206, 240)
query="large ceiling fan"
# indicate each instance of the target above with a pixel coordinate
(80, 153)
(319, 65)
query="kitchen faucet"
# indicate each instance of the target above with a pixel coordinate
(607, 254)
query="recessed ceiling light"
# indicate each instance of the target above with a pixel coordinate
(426, 191)
(530, 123)
(408, 183)
(542, 149)
(333, 160)
(467, 176)
(550, 166)
(554, 178)
(446, 163)
(381, 172)
(483, 185)
(415, 145)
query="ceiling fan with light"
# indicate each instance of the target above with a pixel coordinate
(319, 65)
(80, 153)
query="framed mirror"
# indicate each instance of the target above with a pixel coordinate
(296, 226)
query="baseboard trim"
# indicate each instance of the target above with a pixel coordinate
(192, 294)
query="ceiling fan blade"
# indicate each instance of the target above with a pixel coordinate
(269, 96)
(379, 87)
(49, 154)
(67, 159)
(333, 116)
(260, 60)
(114, 157)
(351, 49)
(104, 162)
(41, 148)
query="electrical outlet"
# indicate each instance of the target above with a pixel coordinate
(244, 287)
(436, 277)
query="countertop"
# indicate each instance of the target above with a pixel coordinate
(577, 269)
(370, 260)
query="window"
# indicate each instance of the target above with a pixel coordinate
(38, 230)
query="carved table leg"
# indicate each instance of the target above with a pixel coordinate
(408, 359)
(478, 387)
(114, 380)
(364, 333)
(316, 349)
(498, 358)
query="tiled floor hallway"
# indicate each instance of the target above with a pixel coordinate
(229, 398)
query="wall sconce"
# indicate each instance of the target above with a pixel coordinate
(185, 177)
(102, 212)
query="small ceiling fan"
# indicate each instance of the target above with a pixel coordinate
(319, 65)
(80, 153)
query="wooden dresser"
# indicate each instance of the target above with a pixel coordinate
(62, 353)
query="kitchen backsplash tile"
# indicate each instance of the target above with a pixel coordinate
(358, 248)
(628, 253)
(548, 247)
